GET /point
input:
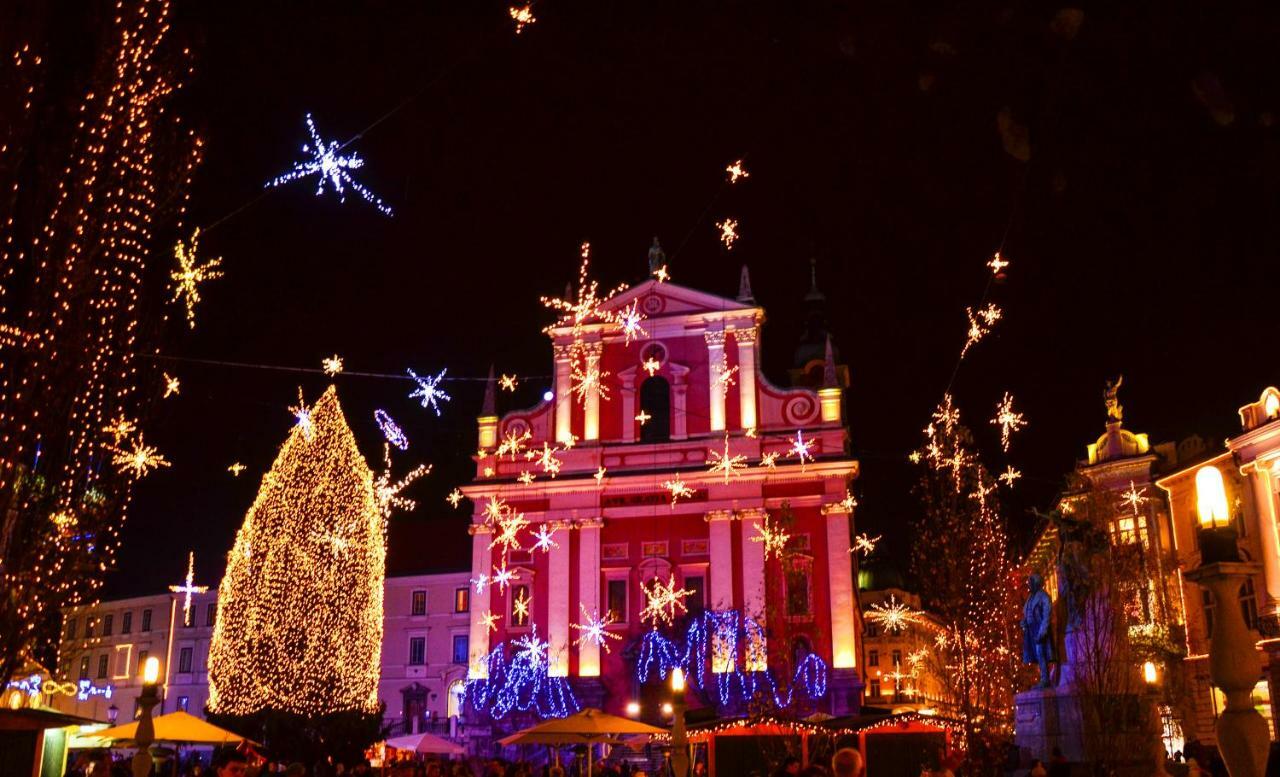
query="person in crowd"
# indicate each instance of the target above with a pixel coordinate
(230, 763)
(1058, 766)
(1037, 769)
(847, 762)
(790, 767)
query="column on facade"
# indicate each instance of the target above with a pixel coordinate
(716, 388)
(746, 340)
(591, 405)
(757, 651)
(721, 570)
(1262, 478)
(564, 392)
(480, 569)
(558, 602)
(588, 591)
(840, 583)
(628, 393)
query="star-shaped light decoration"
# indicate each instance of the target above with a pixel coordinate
(328, 165)
(522, 15)
(893, 617)
(531, 649)
(569, 443)
(490, 472)
(864, 544)
(548, 461)
(520, 607)
(849, 502)
(172, 385)
(1134, 497)
(139, 460)
(188, 587)
(454, 498)
(800, 447)
(773, 538)
(543, 539)
(388, 493)
(750, 432)
(495, 510)
(236, 468)
(736, 172)
(724, 375)
(678, 490)
(651, 366)
(589, 380)
(302, 416)
(594, 629)
(1008, 420)
(997, 264)
(643, 417)
(490, 620)
(946, 414)
(586, 305)
(726, 464)
(508, 382)
(503, 577)
(428, 391)
(661, 274)
(914, 457)
(629, 318)
(120, 428)
(917, 657)
(508, 533)
(525, 477)
(480, 582)
(1009, 475)
(331, 365)
(980, 323)
(940, 640)
(662, 600)
(599, 476)
(189, 275)
(728, 232)
(513, 443)
(770, 460)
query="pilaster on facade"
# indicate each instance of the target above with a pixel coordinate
(843, 595)
(591, 403)
(478, 638)
(589, 590)
(753, 590)
(746, 341)
(564, 391)
(715, 386)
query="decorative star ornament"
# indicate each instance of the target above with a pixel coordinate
(171, 386)
(388, 493)
(769, 460)
(508, 383)
(643, 417)
(728, 232)
(428, 391)
(520, 607)
(302, 416)
(594, 629)
(190, 274)
(503, 577)
(391, 430)
(864, 544)
(522, 16)
(724, 463)
(525, 477)
(893, 617)
(678, 490)
(1134, 497)
(773, 538)
(120, 428)
(188, 587)
(530, 649)
(331, 365)
(651, 366)
(662, 600)
(513, 443)
(548, 461)
(490, 620)
(849, 502)
(1008, 420)
(800, 447)
(661, 274)
(138, 460)
(980, 324)
(236, 468)
(543, 539)
(736, 172)
(997, 264)
(327, 165)
(1009, 475)
(454, 498)
(480, 582)
(629, 318)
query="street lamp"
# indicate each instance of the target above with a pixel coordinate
(679, 742)
(146, 733)
(113, 714)
(1151, 675)
(1234, 666)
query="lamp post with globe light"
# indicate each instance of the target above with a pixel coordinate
(679, 742)
(1151, 675)
(146, 733)
(1234, 666)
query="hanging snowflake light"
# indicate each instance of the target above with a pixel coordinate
(513, 443)
(629, 318)
(139, 460)
(543, 539)
(643, 417)
(1008, 420)
(189, 275)
(531, 649)
(522, 15)
(736, 171)
(980, 324)
(849, 502)
(997, 264)
(770, 460)
(490, 620)
(520, 607)
(120, 428)
(651, 366)
(594, 629)
(677, 489)
(331, 365)
(724, 376)
(328, 165)
(503, 577)
(864, 544)
(1134, 497)
(495, 510)
(548, 461)
(726, 464)
(800, 447)
(508, 533)
(1009, 475)
(188, 587)
(454, 498)
(171, 386)
(508, 383)
(388, 493)
(661, 274)
(525, 477)
(773, 538)
(728, 232)
(662, 600)
(589, 380)
(236, 468)
(893, 617)
(428, 391)
(302, 416)
(391, 430)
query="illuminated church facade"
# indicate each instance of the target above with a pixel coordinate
(760, 624)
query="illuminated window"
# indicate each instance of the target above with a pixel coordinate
(459, 648)
(521, 605)
(417, 651)
(461, 599)
(126, 623)
(418, 605)
(184, 661)
(146, 620)
(616, 600)
(873, 689)
(873, 658)
(655, 401)
(1130, 529)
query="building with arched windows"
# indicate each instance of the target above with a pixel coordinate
(664, 457)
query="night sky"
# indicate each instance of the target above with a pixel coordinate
(1124, 158)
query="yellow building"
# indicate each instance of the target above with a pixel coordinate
(902, 671)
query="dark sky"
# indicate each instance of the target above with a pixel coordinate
(1140, 225)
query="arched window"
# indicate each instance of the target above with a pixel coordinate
(457, 689)
(655, 402)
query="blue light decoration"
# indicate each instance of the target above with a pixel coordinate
(428, 391)
(521, 683)
(327, 163)
(36, 686)
(391, 430)
(730, 635)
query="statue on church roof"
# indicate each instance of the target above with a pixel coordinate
(657, 257)
(1111, 397)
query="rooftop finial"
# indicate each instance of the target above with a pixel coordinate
(829, 378)
(814, 294)
(657, 257)
(489, 407)
(744, 287)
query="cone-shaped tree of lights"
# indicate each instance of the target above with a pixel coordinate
(299, 625)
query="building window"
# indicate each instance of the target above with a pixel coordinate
(655, 401)
(1131, 529)
(126, 623)
(146, 620)
(71, 628)
(108, 623)
(183, 703)
(418, 604)
(461, 599)
(459, 648)
(616, 599)
(184, 661)
(1249, 604)
(84, 667)
(417, 651)
(102, 666)
(121, 670)
(872, 629)
(873, 658)
(90, 627)
(697, 601)
(874, 689)
(457, 692)
(211, 614)
(521, 604)
(797, 582)
(897, 658)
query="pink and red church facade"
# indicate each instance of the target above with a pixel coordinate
(773, 628)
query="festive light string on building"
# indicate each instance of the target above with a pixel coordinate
(724, 463)
(390, 430)
(728, 232)
(332, 365)
(894, 617)
(428, 392)
(280, 583)
(498, 686)
(188, 587)
(190, 274)
(594, 629)
(327, 165)
(1008, 420)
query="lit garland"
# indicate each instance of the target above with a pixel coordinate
(332, 365)
(37, 686)
(1008, 420)
(236, 468)
(772, 539)
(724, 463)
(508, 383)
(299, 624)
(139, 460)
(428, 391)
(328, 165)
(728, 232)
(521, 684)
(390, 429)
(594, 629)
(172, 386)
(800, 447)
(980, 324)
(678, 490)
(189, 275)
(893, 617)
(736, 171)
(188, 586)
(662, 600)
(522, 15)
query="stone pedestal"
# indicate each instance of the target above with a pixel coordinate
(845, 688)
(1047, 718)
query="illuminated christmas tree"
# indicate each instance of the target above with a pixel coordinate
(299, 625)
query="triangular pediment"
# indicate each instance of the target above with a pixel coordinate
(676, 300)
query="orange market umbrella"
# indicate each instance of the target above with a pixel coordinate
(176, 727)
(582, 728)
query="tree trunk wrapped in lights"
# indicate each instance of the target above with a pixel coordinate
(299, 625)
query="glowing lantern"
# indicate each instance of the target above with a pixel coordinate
(150, 670)
(1149, 673)
(1211, 498)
